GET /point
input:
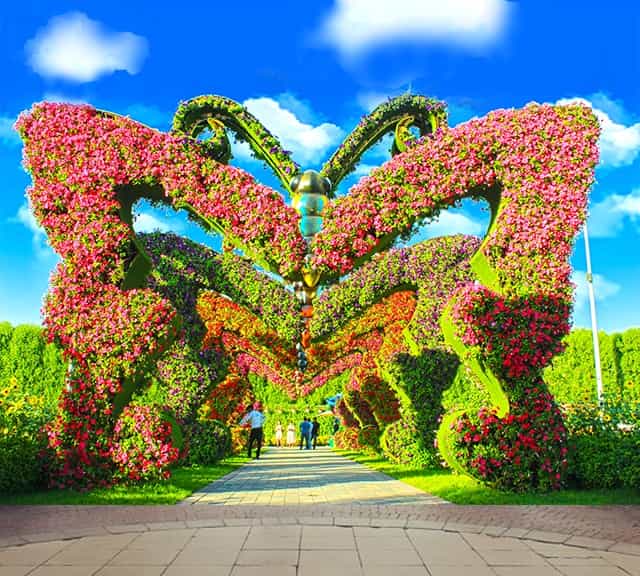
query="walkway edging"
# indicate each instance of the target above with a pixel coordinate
(338, 521)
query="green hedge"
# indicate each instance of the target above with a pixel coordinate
(209, 442)
(628, 348)
(32, 375)
(22, 417)
(419, 382)
(36, 366)
(604, 445)
(571, 376)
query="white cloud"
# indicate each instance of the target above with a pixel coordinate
(607, 217)
(614, 108)
(301, 109)
(602, 288)
(8, 136)
(448, 223)
(145, 222)
(41, 246)
(76, 48)
(308, 144)
(619, 144)
(355, 26)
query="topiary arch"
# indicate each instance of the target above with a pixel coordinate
(408, 323)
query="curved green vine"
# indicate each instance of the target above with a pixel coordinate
(218, 113)
(397, 114)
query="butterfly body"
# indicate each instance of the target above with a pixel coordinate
(309, 197)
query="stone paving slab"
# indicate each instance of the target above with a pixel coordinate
(309, 549)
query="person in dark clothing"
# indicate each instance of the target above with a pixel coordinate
(315, 430)
(305, 433)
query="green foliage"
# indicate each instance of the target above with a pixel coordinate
(397, 115)
(278, 407)
(209, 442)
(369, 438)
(21, 438)
(183, 482)
(6, 330)
(571, 375)
(462, 489)
(19, 465)
(399, 444)
(604, 445)
(420, 382)
(464, 393)
(32, 374)
(36, 366)
(628, 347)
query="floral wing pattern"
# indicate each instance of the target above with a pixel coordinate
(534, 167)
(88, 168)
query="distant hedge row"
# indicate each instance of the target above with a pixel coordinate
(571, 377)
(39, 369)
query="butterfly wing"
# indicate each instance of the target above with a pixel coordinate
(534, 167)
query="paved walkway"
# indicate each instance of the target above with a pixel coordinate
(293, 513)
(307, 550)
(285, 476)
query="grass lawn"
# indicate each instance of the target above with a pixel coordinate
(183, 482)
(464, 490)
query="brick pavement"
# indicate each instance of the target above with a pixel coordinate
(492, 540)
(309, 550)
(285, 476)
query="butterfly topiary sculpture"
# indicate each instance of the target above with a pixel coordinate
(408, 323)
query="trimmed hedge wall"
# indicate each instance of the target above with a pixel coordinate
(37, 366)
(571, 376)
(628, 353)
(32, 374)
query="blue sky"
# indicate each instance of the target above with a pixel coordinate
(309, 70)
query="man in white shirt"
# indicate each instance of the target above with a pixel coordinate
(256, 419)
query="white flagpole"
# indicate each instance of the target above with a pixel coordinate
(594, 322)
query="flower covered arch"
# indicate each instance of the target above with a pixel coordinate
(494, 310)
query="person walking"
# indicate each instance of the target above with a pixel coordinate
(291, 435)
(305, 433)
(256, 419)
(315, 430)
(278, 434)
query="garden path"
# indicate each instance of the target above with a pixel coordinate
(310, 513)
(285, 476)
